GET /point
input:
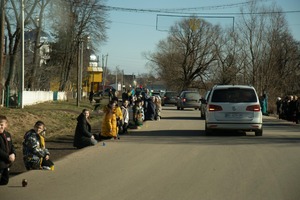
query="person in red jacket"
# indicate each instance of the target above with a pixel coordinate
(7, 151)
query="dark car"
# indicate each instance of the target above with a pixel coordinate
(204, 104)
(189, 99)
(106, 93)
(170, 97)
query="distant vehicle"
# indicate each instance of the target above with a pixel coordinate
(203, 104)
(169, 97)
(106, 92)
(160, 94)
(188, 99)
(233, 107)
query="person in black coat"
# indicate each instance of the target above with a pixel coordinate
(151, 109)
(83, 136)
(7, 151)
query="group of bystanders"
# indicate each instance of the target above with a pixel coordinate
(288, 108)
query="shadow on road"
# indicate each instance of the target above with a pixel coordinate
(199, 137)
(181, 118)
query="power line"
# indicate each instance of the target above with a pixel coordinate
(109, 8)
(176, 10)
(183, 10)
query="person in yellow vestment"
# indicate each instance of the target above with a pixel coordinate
(109, 121)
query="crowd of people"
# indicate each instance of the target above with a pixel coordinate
(116, 117)
(115, 122)
(288, 108)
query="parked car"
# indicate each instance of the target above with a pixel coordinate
(188, 99)
(203, 104)
(170, 97)
(160, 94)
(106, 93)
(233, 107)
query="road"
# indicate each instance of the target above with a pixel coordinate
(172, 159)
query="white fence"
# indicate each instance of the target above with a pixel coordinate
(34, 97)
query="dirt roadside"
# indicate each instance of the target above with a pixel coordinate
(59, 148)
(60, 119)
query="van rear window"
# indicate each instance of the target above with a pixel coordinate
(192, 95)
(234, 95)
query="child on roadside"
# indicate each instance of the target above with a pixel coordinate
(158, 108)
(137, 113)
(35, 154)
(125, 114)
(7, 151)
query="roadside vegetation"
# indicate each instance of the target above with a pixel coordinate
(60, 118)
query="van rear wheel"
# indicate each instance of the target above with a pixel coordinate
(259, 132)
(207, 131)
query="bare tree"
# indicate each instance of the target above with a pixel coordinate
(13, 26)
(228, 68)
(32, 77)
(271, 54)
(82, 20)
(187, 53)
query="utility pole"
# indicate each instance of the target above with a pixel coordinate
(78, 73)
(122, 80)
(116, 78)
(81, 69)
(2, 15)
(104, 73)
(22, 53)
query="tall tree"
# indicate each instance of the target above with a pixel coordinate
(187, 53)
(13, 26)
(227, 69)
(32, 77)
(271, 55)
(83, 19)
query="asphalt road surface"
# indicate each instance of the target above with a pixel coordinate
(172, 159)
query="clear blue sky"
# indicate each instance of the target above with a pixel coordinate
(133, 33)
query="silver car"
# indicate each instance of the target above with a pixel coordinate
(233, 107)
(189, 99)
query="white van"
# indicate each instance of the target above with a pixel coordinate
(233, 107)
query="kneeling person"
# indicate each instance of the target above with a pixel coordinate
(83, 136)
(35, 154)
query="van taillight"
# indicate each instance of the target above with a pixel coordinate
(184, 100)
(254, 108)
(212, 107)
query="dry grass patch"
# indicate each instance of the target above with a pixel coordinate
(59, 117)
